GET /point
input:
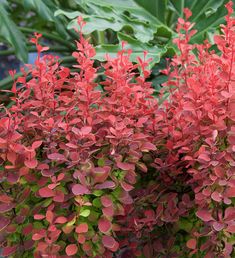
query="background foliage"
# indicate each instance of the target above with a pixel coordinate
(144, 25)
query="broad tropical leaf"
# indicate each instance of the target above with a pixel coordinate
(137, 47)
(10, 32)
(46, 9)
(151, 21)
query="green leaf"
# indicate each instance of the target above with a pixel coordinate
(101, 162)
(156, 7)
(185, 225)
(9, 31)
(178, 6)
(137, 49)
(205, 24)
(97, 203)
(104, 18)
(98, 192)
(47, 202)
(145, 25)
(206, 14)
(85, 213)
(46, 9)
(40, 8)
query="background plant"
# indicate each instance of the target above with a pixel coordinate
(145, 25)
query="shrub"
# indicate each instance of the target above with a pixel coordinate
(70, 153)
(74, 158)
(187, 209)
(201, 114)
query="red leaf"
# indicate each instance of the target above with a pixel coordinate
(46, 192)
(86, 246)
(59, 196)
(86, 130)
(126, 187)
(9, 250)
(106, 185)
(4, 222)
(28, 244)
(106, 201)
(82, 228)
(228, 249)
(83, 131)
(230, 192)
(27, 229)
(204, 157)
(100, 174)
(56, 156)
(191, 244)
(81, 239)
(148, 251)
(39, 216)
(13, 177)
(109, 242)
(204, 215)
(36, 144)
(79, 189)
(231, 229)
(216, 196)
(125, 166)
(5, 198)
(142, 167)
(42, 246)
(60, 177)
(218, 226)
(104, 225)
(125, 198)
(147, 146)
(37, 237)
(31, 163)
(52, 186)
(49, 216)
(229, 214)
(6, 207)
(108, 211)
(71, 249)
(61, 220)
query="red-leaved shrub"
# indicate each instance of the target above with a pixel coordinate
(201, 124)
(70, 153)
(186, 208)
(94, 173)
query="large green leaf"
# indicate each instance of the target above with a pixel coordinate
(45, 10)
(10, 32)
(156, 8)
(40, 7)
(146, 18)
(137, 48)
(206, 14)
(149, 22)
(106, 17)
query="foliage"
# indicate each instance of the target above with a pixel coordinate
(148, 23)
(68, 153)
(145, 25)
(189, 202)
(90, 172)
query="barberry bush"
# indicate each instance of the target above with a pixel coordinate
(187, 207)
(70, 153)
(92, 168)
